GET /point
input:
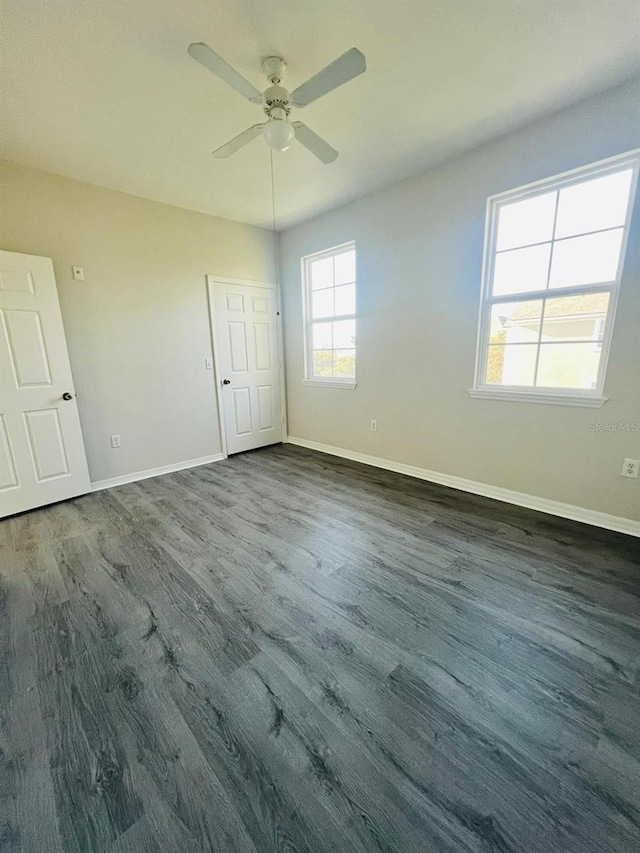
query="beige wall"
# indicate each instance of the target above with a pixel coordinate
(419, 247)
(137, 327)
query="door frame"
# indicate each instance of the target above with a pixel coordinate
(212, 280)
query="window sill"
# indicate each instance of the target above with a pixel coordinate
(331, 383)
(585, 400)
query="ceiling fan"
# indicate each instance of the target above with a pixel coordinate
(278, 131)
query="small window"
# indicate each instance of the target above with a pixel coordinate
(329, 282)
(554, 254)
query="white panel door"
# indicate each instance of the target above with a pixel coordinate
(248, 365)
(42, 457)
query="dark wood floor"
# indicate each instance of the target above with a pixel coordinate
(290, 652)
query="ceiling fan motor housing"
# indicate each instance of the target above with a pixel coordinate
(276, 97)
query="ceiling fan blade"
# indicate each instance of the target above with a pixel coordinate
(216, 64)
(238, 141)
(343, 69)
(316, 144)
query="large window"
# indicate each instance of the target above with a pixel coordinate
(329, 282)
(553, 260)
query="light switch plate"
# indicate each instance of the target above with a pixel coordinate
(208, 363)
(77, 273)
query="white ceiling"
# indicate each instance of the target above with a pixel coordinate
(104, 91)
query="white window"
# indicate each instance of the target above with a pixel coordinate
(329, 283)
(553, 259)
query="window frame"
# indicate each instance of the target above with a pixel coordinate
(348, 383)
(559, 396)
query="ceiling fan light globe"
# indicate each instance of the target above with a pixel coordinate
(278, 134)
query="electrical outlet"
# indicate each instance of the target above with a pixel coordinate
(77, 273)
(374, 426)
(630, 468)
(115, 441)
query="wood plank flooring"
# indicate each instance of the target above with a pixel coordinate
(291, 652)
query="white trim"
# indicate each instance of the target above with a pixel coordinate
(487, 300)
(217, 379)
(568, 176)
(528, 396)
(98, 485)
(283, 385)
(331, 383)
(225, 279)
(308, 321)
(574, 513)
(332, 250)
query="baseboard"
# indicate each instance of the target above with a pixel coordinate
(98, 485)
(575, 513)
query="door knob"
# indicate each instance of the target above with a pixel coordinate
(67, 396)
(226, 382)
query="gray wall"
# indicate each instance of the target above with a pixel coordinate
(419, 247)
(138, 326)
